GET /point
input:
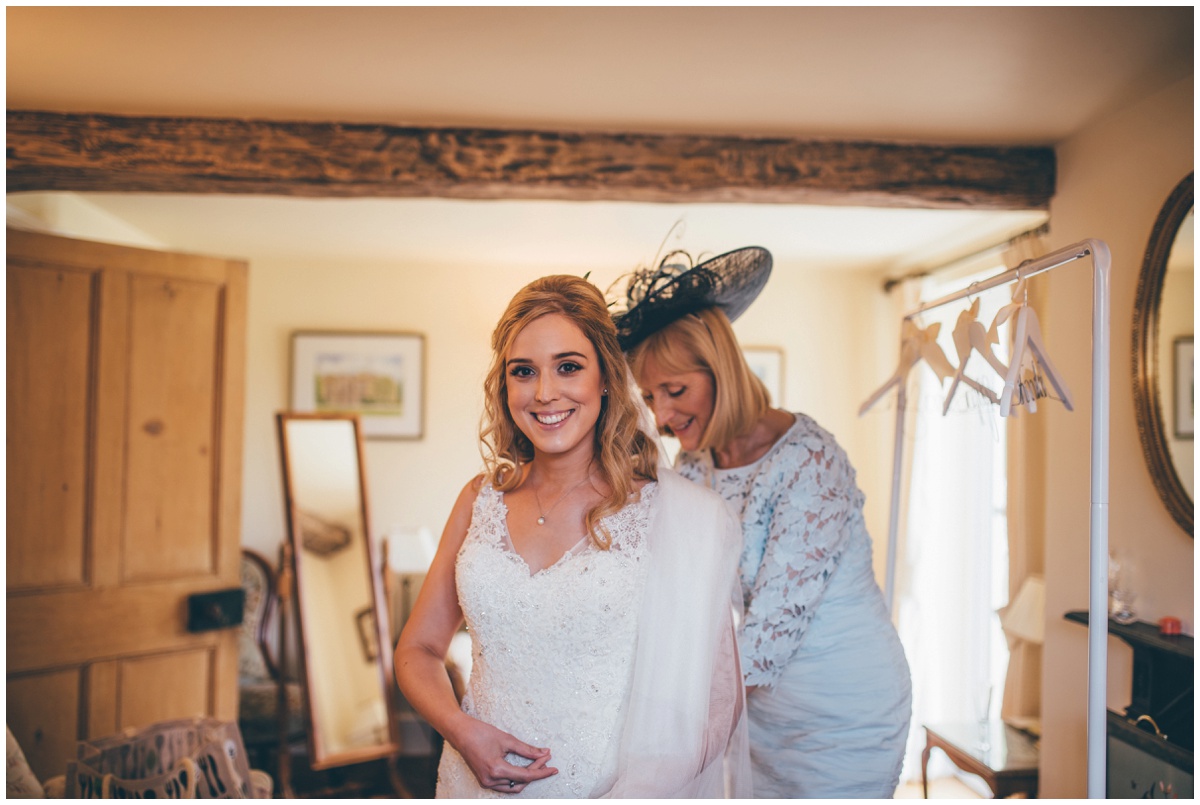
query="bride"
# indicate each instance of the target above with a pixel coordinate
(596, 586)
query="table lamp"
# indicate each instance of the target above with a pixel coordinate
(409, 554)
(1025, 617)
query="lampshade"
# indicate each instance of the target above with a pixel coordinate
(1024, 617)
(410, 551)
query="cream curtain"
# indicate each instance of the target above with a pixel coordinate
(1026, 518)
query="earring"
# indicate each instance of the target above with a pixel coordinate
(604, 390)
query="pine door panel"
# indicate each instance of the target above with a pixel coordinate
(100, 694)
(173, 685)
(42, 712)
(50, 349)
(124, 476)
(78, 626)
(174, 337)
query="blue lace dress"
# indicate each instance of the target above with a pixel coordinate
(831, 711)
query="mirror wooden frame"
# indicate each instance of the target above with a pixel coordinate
(319, 759)
(1148, 402)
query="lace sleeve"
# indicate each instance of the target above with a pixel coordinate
(812, 501)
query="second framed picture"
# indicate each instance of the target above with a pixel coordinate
(767, 363)
(1185, 388)
(379, 376)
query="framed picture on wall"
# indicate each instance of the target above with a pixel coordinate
(767, 363)
(379, 376)
(1185, 389)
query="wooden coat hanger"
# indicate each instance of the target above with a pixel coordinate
(916, 344)
(969, 334)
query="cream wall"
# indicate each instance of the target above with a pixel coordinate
(1113, 178)
(837, 329)
(816, 316)
(840, 333)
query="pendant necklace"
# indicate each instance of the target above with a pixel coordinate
(544, 512)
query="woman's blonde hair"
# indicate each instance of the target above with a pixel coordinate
(623, 451)
(704, 342)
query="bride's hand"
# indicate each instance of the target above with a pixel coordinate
(484, 748)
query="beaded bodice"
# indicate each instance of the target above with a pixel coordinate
(551, 651)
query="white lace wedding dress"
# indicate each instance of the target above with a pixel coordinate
(552, 651)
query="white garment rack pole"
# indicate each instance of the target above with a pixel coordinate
(1098, 590)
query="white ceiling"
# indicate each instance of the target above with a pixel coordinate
(938, 74)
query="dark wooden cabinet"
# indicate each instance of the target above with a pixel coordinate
(1150, 744)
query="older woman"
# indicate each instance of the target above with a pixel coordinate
(595, 585)
(828, 686)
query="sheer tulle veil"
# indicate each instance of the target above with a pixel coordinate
(685, 730)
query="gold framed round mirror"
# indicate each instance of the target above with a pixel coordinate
(1163, 389)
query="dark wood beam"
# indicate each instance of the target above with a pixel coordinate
(52, 151)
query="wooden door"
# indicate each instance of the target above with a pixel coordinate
(125, 394)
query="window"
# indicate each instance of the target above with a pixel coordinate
(955, 552)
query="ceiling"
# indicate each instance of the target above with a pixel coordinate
(1000, 76)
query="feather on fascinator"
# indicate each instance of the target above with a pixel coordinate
(655, 297)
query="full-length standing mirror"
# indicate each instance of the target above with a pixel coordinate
(1163, 389)
(346, 664)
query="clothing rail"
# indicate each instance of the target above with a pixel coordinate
(1098, 565)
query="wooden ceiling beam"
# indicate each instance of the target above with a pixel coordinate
(88, 152)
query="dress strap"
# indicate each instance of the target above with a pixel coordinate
(488, 515)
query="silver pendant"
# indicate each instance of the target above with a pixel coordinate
(541, 521)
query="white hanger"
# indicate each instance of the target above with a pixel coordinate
(1020, 296)
(1035, 362)
(969, 334)
(915, 344)
(1029, 349)
(931, 351)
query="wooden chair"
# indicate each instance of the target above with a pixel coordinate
(259, 670)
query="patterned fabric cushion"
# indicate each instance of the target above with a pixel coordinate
(20, 781)
(251, 664)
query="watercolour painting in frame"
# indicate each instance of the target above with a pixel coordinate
(379, 376)
(767, 363)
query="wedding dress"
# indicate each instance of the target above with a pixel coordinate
(621, 661)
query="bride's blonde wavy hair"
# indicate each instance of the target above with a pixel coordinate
(623, 452)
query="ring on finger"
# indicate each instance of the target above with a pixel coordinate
(512, 783)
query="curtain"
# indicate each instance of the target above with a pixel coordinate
(1026, 519)
(953, 563)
